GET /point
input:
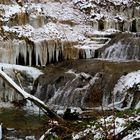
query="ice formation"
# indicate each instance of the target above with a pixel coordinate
(124, 98)
(37, 33)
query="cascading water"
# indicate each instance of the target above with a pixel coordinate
(71, 89)
(122, 49)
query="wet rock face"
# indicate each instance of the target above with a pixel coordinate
(69, 89)
(122, 47)
(82, 83)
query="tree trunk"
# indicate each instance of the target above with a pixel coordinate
(32, 98)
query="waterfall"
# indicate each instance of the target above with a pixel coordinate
(122, 49)
(72, 89)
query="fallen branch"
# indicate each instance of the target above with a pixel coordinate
(32, 98)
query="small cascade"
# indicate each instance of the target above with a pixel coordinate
(70, 90)
(123, 49)
(117, 51)
(88, 84)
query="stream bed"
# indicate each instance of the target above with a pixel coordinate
(18, 124)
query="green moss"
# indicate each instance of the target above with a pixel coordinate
(138, 111)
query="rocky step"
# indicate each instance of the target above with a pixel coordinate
(82, 83)
(97, 40)
(123, 46)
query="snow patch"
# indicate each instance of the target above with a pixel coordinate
(33, 72)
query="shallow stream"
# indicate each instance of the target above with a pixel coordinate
(18, 124)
